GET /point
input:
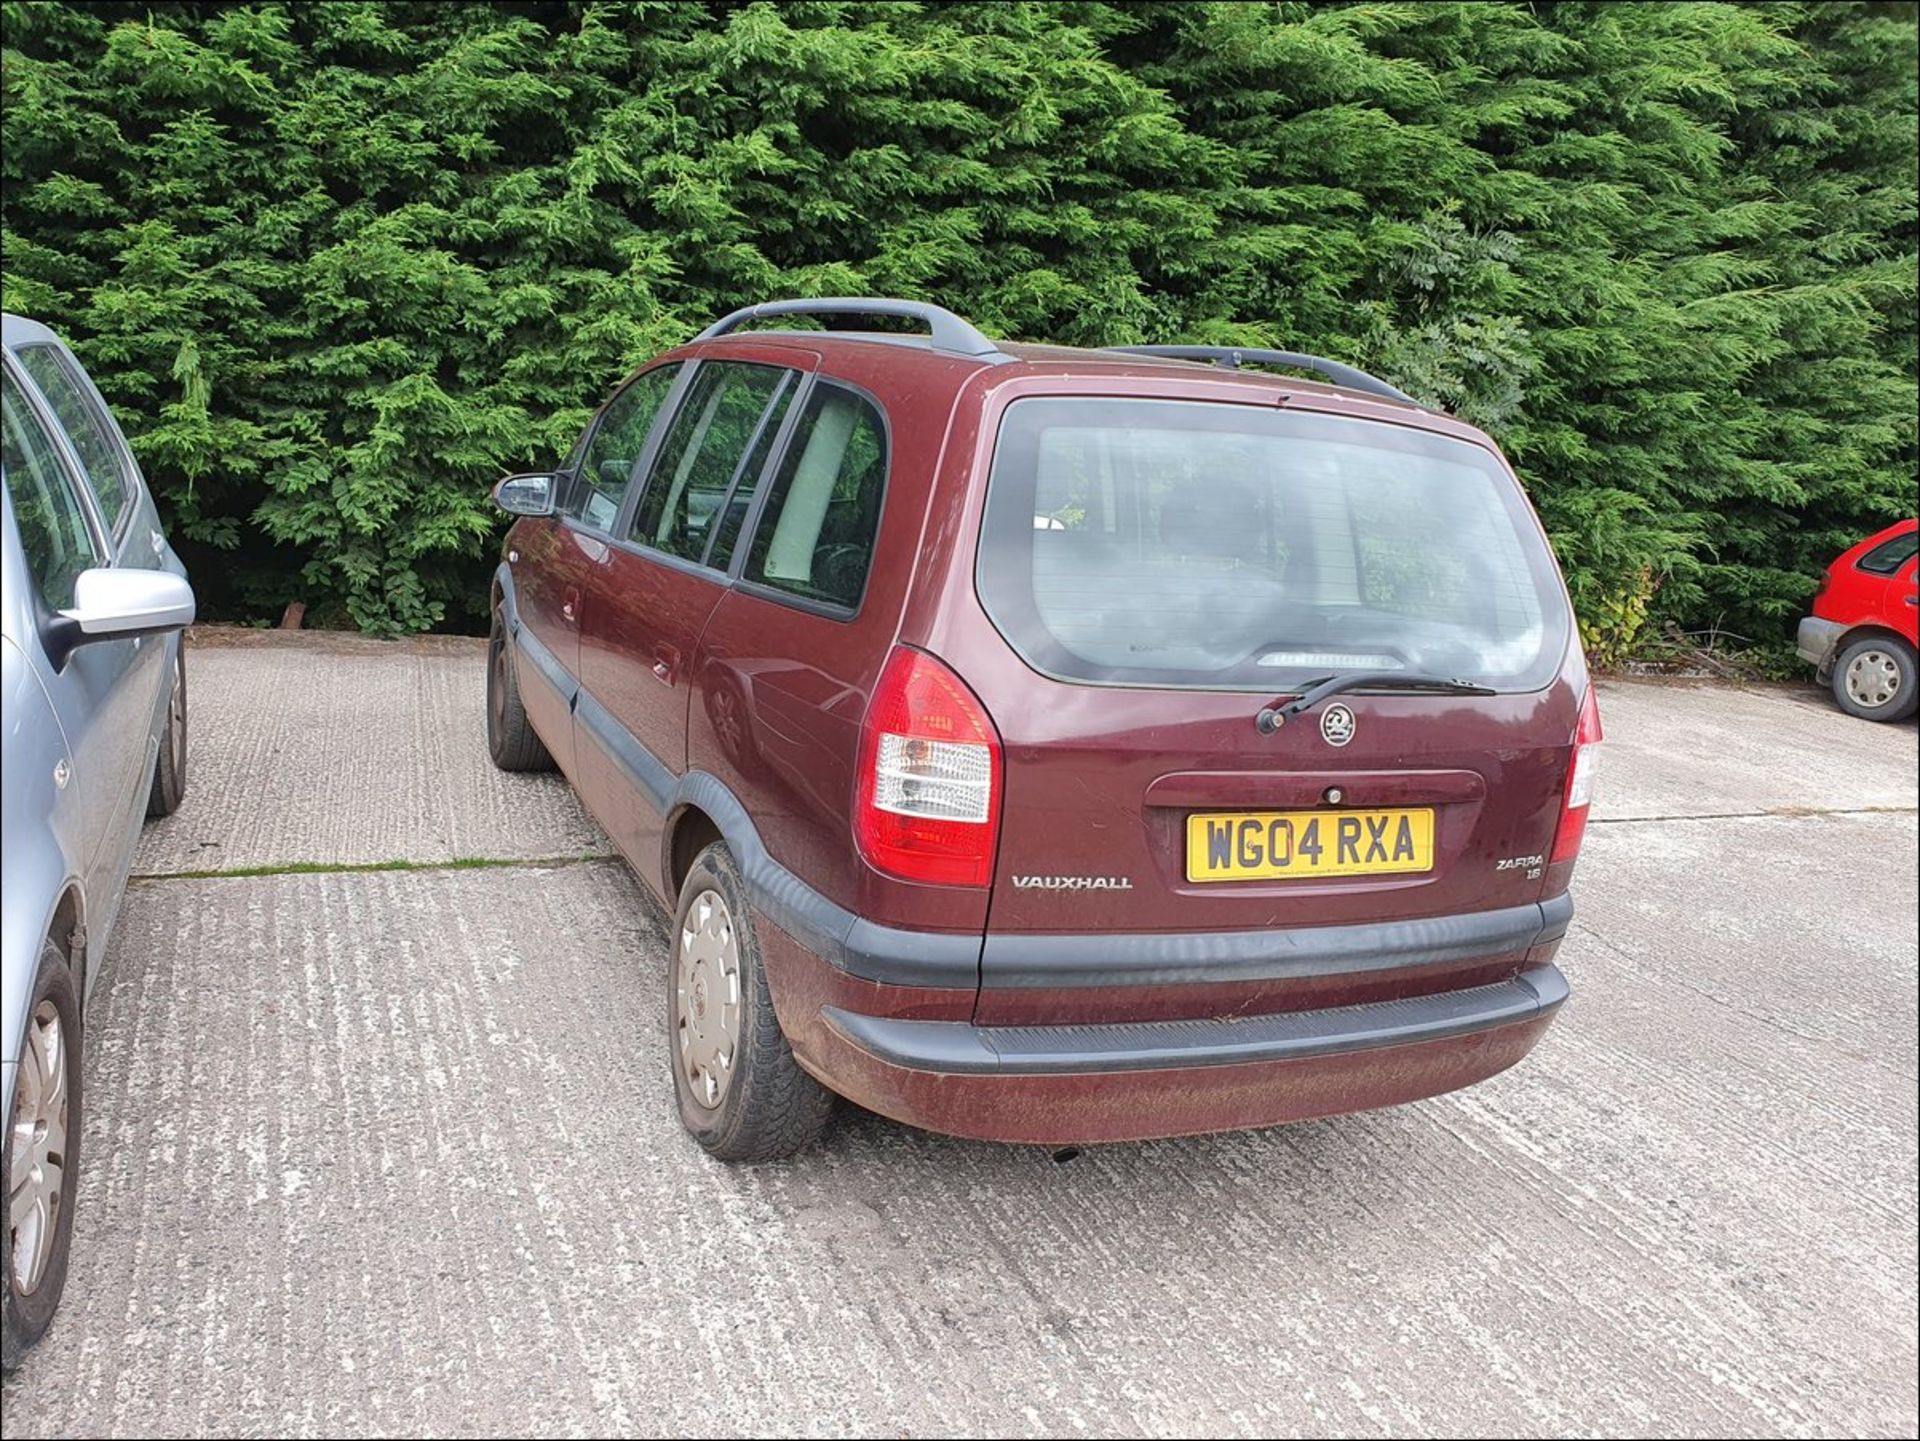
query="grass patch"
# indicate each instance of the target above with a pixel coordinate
(310, 868)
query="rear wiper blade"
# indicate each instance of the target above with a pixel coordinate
(1273, 717)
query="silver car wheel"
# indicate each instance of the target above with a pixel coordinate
(1873, 678)
(706, 1004)
(37, 1162)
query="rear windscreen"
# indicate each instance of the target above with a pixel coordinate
(1187, 543)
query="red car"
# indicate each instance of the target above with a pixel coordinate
(1861, 637)
(1054, 745)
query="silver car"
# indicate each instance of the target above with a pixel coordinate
(93, 707)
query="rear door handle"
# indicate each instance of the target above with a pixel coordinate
(666, 662)
(570, 605)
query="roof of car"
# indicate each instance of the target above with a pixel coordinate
(952, 338)
(17, 330)
(1032, 356)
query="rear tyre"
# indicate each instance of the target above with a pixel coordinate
(742, 1095)
(41, 1160)
(510, 736)
(1876, 679)
(170, 770)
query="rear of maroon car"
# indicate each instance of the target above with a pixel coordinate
(1198, 918)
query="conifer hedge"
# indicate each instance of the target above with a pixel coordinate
(340, 265)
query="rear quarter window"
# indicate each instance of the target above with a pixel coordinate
(1220, 546)
(815, 537)
(1887, 557)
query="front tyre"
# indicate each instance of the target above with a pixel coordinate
(1876, 679)
(41, 1159)
(741, 1093)
(170, 769)
(510, 735)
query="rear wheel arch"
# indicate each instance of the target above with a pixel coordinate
(64, 927)
(1870, 630)
(1861, 630)
(690, 830)
(67, 930)
(704, 795)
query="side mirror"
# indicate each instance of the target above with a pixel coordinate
(526, 494)
(112, 604)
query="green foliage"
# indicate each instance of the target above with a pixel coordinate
(338, 266)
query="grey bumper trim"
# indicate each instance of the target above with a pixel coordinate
(546, 665)
(1027, 962)
(959, 1048)
(1816, 640)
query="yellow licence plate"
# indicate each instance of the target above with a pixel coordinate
(1293, 845)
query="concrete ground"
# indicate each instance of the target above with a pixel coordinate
(394, 1150)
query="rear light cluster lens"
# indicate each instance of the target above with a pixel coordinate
(1580, 779)
(928, 806)
(938, 780)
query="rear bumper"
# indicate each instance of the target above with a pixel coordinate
(1064, 1085)
(920, 1056)
(1817, 639)
(961, 1048)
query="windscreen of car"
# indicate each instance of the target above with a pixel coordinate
(1223, 546)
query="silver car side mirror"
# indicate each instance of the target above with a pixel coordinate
(109, 604)
(526, 494)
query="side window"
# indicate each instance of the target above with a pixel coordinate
(579, 451)
(79, 414)
(815, 537)
(1887, 557)
(47, 509)
(705, 448)
(601, 480)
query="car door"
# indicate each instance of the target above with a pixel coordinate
(61, 536)
(659, 585)
(133, 709)
(553, 560)
(1903, 602)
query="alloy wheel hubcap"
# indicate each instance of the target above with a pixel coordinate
(1873, 678)
(37, 1161)
(706, 998)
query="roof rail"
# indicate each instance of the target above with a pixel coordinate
(1231, 357)
(950, 333)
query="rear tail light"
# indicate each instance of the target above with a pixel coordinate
(1580, 777)
(928, 802)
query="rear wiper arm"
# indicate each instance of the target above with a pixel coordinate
(1273, 717)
